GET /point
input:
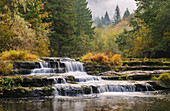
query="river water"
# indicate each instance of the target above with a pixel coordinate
(115, 101)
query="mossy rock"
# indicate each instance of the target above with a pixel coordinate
(160, 85)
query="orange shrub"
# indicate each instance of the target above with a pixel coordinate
(116, 59)
(100, 57)
(87, 56)
(103, 58)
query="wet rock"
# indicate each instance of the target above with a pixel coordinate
(160, 85)
(140, 77)
(20, 92)
(142, 87)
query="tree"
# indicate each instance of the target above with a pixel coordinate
(16, 31)
(84, 30)
(126, 14)
(96, 20)
(63, 26)
(117, 17)
(83, 21)
(107, 20)
(156, 14)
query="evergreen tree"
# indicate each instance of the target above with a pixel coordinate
(83, 21)
(107, 20)
(63, 26)
(96, 20)
(117, 17)
(83, 25)
(100, 25)
(102, 20)
(126, 14)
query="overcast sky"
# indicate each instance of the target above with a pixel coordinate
(99, 7)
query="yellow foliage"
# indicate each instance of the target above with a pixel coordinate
(102, 58)
(87, 56)
(5, 68)
(116, 59)
(16, 55)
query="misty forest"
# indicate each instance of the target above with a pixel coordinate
(77, 55)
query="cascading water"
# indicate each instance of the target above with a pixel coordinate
(87, 84)
(76, 81)
(74, 66)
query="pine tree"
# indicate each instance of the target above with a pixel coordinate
(83, 25)
(117, 17)
(99, 24)
(126, 14)
(63, 26)
(83, 18)
(107, 20)
(96, 20)
(102, 20)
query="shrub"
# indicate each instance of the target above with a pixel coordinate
(87, 56)
(16, 55)
(116, 59)
(5, 68)
(100, 58)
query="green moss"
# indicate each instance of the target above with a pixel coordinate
(83, 87)
(164, 77)
(120, 78)
(154, 78)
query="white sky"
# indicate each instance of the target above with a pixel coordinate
(99, 7)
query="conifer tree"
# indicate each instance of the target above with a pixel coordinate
(117, 17)
(83, 25)
(63, 26)
(83, 18)
(126, 14)
(107, 20)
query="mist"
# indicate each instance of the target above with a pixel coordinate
(99, 7)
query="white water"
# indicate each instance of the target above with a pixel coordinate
(92, 84)
(73, 66)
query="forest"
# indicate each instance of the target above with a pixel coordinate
(66, 28)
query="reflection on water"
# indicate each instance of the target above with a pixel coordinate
(129, 101)
(125, 101)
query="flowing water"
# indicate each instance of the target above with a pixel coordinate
(90, 93)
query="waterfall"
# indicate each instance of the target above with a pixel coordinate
(78, 89)
(73, 80)
(73, 66)
(60, 70)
